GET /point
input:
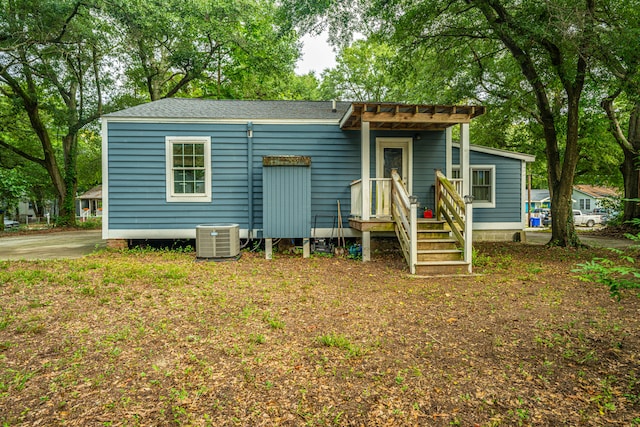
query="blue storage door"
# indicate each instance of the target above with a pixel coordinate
(286, 197)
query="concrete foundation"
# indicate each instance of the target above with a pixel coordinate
(499, 236)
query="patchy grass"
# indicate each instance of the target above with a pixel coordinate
(155, 338)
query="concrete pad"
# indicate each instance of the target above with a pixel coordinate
(52, 245)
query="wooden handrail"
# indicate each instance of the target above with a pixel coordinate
(450, 206)
(404, 214)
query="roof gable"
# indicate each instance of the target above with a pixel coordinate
(597, 192)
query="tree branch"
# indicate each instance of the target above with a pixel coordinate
(23, 154)
(615, 128)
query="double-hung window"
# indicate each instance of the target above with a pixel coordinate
(585, 204)
(188, 169)
(483, 185)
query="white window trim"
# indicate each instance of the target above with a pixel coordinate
(171, 196)
(396, 142)
(477, 203)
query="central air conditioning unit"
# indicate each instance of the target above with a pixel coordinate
(220, 241)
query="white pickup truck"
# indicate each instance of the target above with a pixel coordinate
(584, 219)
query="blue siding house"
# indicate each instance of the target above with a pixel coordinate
(174, 164)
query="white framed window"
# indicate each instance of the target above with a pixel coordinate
(188, 168)
(483, 185)
(585, 204)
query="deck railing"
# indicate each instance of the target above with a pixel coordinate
(379, 195)
(405, 215)
(457, 184)
(450, 206)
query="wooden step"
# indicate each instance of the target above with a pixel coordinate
(432, 234)
(431, 224)
(432, 244)
(440, 255)
(424, 268)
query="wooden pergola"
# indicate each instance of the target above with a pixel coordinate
(394, 116)
(371, 116)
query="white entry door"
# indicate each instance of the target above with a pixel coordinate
(395, 153)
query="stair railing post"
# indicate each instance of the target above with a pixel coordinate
(437, 196)
(413, 224)
(468, 231)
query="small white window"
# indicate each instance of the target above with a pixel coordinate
(483, 185)
(188, 169)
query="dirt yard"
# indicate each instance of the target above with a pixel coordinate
(158, 339)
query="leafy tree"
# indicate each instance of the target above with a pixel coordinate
(51, 54)
(223, 49)
(534, 56)
(89, 159)
(362, 73)
(63, 63)
(619, 73)
(13, 187)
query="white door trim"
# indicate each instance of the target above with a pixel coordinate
(398, 142)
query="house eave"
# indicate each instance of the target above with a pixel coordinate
(116, 119)
(528, 158)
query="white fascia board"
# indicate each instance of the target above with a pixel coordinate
(220, 121)
(498, 152)
(169, 234)
(190, 233)
(346, 116)
(327, 233)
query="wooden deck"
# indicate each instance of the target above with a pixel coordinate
(374, 224)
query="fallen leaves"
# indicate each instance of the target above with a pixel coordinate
(199, 350)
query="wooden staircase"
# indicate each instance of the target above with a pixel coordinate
(438, 252)
(433, 246)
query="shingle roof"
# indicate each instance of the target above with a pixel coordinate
(539, 194)
(191, 108)
(94, 193)
(597, 192)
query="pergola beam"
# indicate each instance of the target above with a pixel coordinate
(424, 118)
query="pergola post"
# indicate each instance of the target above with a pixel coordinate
(448, 170)
(365, 150)
(465, 174)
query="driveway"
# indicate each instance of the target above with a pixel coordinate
(591, 239)
(54, 245)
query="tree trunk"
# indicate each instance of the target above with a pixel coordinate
(630, 146)
(561, 169)
(50, 162)
(631, 166)
(68, 206)
(561, 174)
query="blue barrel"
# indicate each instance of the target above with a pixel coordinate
(534, 222)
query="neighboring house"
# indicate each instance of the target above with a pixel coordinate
(586, 198)
(89, 204)
(28, 215)
(278, 169)
(540, 198)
